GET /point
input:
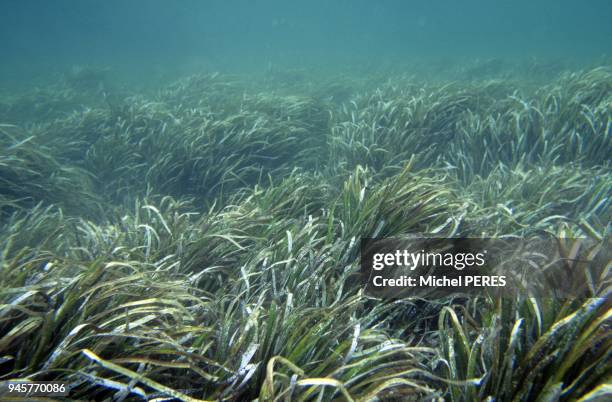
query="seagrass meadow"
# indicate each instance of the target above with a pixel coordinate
(199, 239)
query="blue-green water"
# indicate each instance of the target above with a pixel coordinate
(144, 37)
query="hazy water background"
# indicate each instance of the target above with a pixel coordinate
(150, 38)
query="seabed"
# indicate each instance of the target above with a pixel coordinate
(200, 240)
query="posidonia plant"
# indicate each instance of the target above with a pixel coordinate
(202, 242)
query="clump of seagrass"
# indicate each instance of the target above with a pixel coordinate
(530, 348)
(202, 242)
(525, 201)
(31, 174)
